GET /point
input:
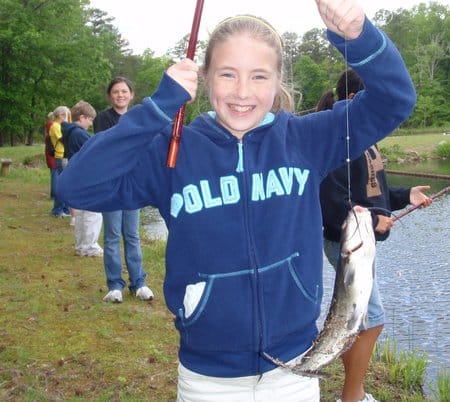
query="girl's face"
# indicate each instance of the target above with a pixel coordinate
(120, 96)
(59, 118)
(242, 80)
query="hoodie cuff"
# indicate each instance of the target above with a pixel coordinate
(368, 45)
(170, 96)
(374, 220)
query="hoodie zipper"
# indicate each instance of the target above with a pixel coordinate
(251, 245)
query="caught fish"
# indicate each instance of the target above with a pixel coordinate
(352, 289)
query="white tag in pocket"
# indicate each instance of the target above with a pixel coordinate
(192, 297)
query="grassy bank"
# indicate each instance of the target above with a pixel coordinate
(415, 147)
(60, 342)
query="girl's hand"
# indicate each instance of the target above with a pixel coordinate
(418, 197)
(384, 224)
(343, 17)
(185, 73)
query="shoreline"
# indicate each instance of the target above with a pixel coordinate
(419, 174)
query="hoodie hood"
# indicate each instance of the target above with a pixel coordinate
(73, 138)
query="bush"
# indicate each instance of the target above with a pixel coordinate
(443, 149)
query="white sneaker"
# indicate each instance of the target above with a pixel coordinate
(114, 296)
(72, 221)
(367, 398)
(144, 293)
(94, 253)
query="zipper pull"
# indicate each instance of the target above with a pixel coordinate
(240, 164)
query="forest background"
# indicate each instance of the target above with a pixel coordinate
(58, 52)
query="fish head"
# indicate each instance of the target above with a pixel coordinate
(356, 230)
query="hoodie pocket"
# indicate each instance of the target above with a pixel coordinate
(222, 316)
(290, 298)
(227, 317)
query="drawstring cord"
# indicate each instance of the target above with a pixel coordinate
(240, 163)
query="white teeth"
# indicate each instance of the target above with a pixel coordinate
(241, 109)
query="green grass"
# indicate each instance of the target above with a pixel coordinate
(441, 391)
(413, 147)
(60, 342)
(403, 368)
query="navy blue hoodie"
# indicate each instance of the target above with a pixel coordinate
(74, 136)
(244, 216)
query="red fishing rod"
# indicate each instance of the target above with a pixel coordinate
(407, 211)
(179, 118)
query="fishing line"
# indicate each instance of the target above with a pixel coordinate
(347, 133)
(347, 139)
(387, 211)
(381, 209)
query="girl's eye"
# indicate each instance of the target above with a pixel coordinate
(260, 77)
(226, 74)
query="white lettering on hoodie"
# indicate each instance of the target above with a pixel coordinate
(277, 182)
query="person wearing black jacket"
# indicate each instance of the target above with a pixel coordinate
(368, 188)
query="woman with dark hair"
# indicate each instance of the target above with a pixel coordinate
(122, 223)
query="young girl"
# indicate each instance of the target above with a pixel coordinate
(244, 250)
(50, 159)
(61, 114)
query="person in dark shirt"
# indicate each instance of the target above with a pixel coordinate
(369, 188)
(123, 223)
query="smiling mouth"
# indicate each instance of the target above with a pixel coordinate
(241, 109)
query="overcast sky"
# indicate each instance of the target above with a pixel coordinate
(160, 24)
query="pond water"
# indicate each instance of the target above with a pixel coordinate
(153, 224)
(413, 268)
(438, 166)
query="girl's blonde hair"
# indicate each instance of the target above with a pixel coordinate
(62, 111)
(260, 30)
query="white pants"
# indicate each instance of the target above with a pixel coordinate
(87, 230)
(274, 386)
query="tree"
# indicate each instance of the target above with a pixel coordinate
(179, 51)
(149, 74)
(115, 51)
(311, 80)
(49, 57)
(422, 35)
(291, 52)
(54, 53)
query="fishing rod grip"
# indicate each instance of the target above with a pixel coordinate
(179, 118)
(176, 137)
